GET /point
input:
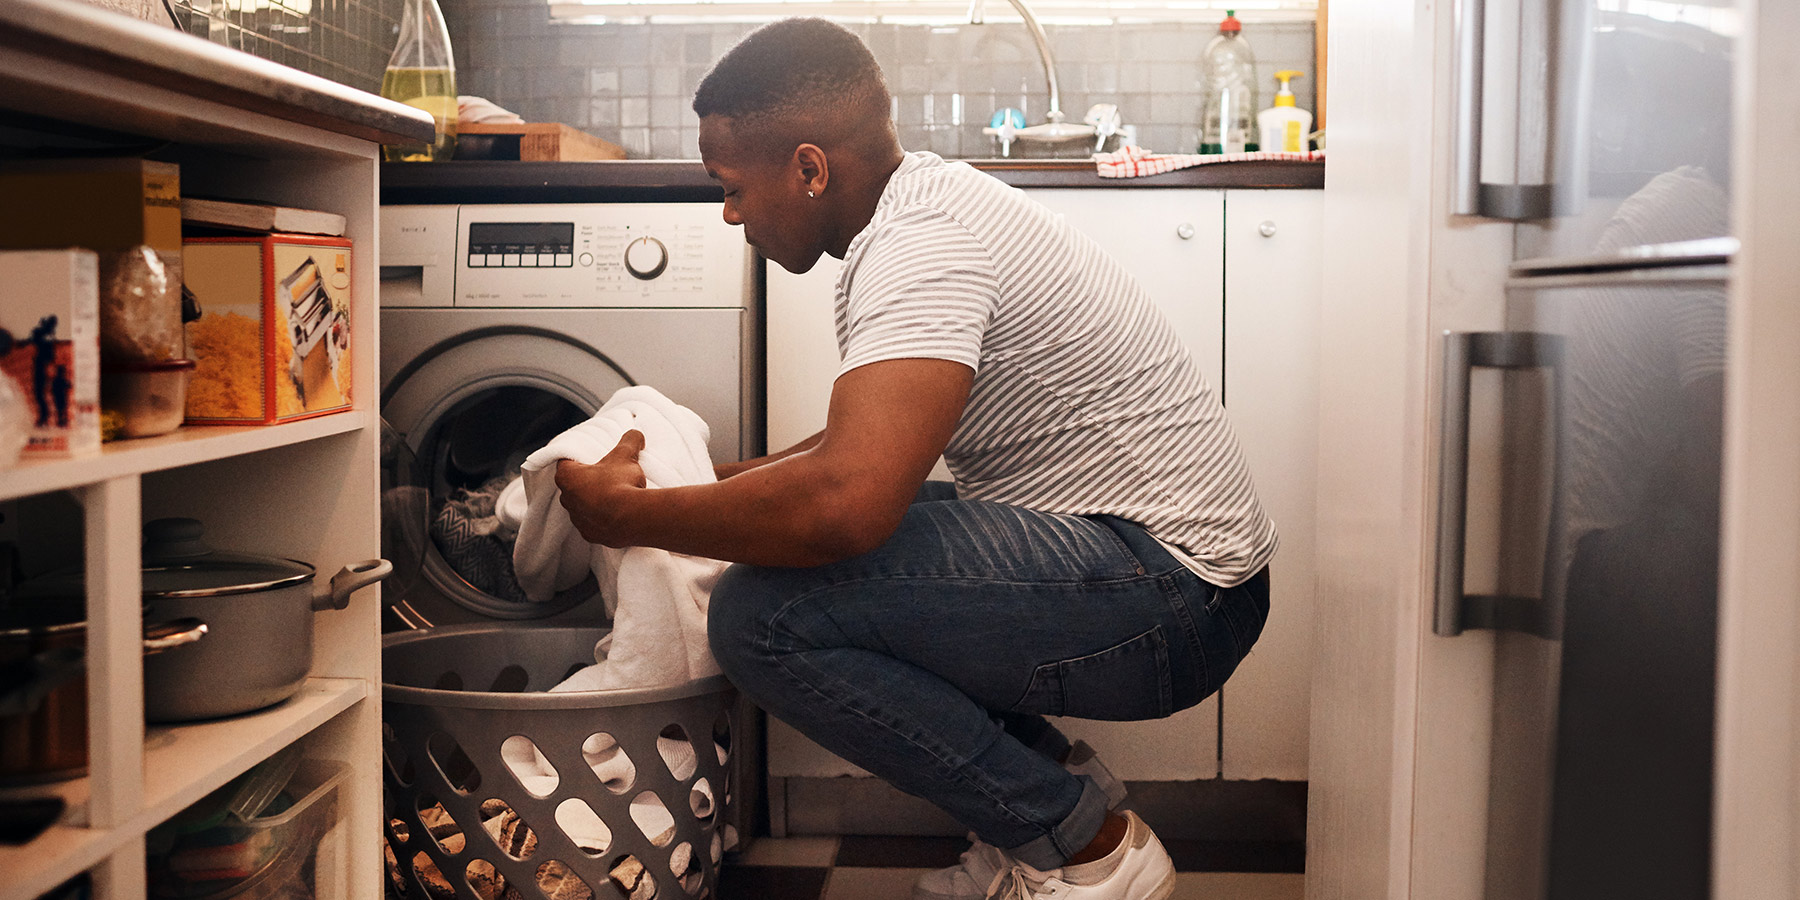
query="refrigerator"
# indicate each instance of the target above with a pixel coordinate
(1594, 420)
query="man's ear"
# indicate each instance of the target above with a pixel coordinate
(813, 170)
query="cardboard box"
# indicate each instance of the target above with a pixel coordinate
(273, 340)
(110, 205)
(51, 343)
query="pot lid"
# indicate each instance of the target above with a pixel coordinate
(179, 563)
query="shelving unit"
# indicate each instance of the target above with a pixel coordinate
(239, 127)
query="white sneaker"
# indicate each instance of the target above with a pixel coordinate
(1138, 869)
(970, 878)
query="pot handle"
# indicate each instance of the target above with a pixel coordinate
(349, 580)
(173, 633)
(41, 674)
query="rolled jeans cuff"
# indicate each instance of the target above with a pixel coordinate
(1076, 831)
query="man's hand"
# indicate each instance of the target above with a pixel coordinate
(597, 496)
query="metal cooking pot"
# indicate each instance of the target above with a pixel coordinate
(43, 688)
(259, 610)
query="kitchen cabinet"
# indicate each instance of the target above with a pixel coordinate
(1273, 282)
(1245, 304)
(94, 81)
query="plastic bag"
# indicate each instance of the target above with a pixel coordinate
(140, 307)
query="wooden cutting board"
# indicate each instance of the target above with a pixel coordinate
(532, 142)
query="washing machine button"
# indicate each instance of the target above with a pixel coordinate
(493, 259)
(565, 259)
(509, 259)
(528, 260)
(587, 259)
(477, 260)
(546, 260)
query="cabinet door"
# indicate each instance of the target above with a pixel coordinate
(1272, 290)
(802, 351)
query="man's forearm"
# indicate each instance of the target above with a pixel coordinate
(723, 471)
(786, 512)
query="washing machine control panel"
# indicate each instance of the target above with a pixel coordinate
(581, 255)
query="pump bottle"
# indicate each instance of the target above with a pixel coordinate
(1284, 126)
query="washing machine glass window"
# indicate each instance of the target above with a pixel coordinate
(471, 410)
(467, 457)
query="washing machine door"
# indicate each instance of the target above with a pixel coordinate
(472, 409)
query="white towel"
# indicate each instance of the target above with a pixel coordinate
(658, 599)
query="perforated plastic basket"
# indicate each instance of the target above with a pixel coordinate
(495, 789)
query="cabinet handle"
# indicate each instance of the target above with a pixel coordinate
(1185, 231)
(1266, 229)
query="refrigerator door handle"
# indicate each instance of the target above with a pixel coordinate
(1454, 611)
(1468, 34)
(1513, 202)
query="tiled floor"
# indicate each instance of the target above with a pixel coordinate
(868, 868)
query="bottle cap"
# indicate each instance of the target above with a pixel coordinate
(1231, 23)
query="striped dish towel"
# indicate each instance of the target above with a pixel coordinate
(1132, 162)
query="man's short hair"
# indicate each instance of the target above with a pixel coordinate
(795, 70)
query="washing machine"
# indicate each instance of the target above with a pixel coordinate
(502, 326)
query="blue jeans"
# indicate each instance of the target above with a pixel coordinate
(932, 660)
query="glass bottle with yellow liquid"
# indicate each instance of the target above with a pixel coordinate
(422, 73)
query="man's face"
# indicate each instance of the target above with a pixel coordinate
(766, 196)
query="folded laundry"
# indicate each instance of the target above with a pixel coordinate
(481, 111)
(658, 600)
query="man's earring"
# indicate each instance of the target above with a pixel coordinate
(811, 196)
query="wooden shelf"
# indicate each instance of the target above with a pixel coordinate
(184, 446)
(182, 763)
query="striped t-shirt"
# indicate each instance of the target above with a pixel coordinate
(1084, 400)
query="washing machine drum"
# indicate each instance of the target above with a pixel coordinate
(470, 413)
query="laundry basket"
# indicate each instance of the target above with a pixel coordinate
(496, 790)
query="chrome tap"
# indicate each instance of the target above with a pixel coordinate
(1055, 114)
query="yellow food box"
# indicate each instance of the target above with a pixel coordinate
(273, 342)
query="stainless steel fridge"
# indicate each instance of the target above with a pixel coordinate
(1602, 128)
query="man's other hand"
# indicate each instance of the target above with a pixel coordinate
(596, 495)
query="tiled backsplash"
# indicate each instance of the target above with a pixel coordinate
(347, 41)
(632, 84)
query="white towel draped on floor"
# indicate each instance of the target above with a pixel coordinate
(658, 599)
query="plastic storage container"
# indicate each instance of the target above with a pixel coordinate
(496, 786)
(150, 397)
(207, 852)
(1228, 83)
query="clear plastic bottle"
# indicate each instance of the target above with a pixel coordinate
(422, 73)
(1228, 82)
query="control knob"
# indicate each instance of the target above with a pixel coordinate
(646, 258)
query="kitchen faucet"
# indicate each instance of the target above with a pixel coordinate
(1043, 48)
(1053, 130)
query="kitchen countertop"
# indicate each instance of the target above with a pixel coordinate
(44, 36)
(621, 181)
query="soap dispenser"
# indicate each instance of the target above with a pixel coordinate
(1284, 126)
